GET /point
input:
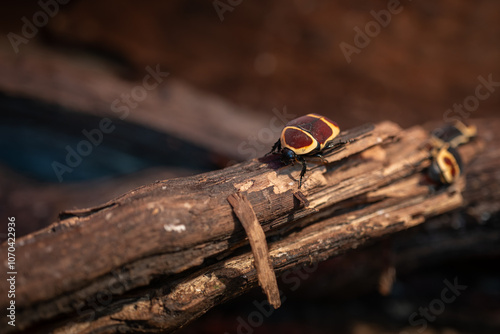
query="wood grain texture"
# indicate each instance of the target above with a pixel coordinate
(157, 257)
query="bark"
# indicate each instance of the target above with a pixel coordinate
(160, 256)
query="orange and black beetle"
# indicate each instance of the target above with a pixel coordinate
(306, 136)
(446, 165)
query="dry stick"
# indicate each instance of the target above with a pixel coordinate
(152, 250)
(168, 227)
(267, 279)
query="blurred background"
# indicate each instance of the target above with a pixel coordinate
(100, 97)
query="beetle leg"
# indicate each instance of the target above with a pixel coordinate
(342, 142)
(335, 149)
(336, 143)
(321, 158)
(276, 148)
(304, 168)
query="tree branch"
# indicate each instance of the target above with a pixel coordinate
(158, 257)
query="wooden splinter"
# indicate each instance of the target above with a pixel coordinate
(246, 215)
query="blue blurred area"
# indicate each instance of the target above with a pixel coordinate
(34, 135)
(31, 150)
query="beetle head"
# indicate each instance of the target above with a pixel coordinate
(288, 156)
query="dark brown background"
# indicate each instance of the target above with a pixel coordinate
(424, 61)
(267, 55)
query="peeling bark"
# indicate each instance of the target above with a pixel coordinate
(160, 256)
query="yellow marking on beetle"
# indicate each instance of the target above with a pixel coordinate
(335, 131)
(302, 150)
(314, 115)
(448, 166)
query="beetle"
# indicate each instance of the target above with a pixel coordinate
(306, 136)
(446, 165)
(455, 134)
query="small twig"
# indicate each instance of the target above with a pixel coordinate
(267, 279)
(301, 200)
